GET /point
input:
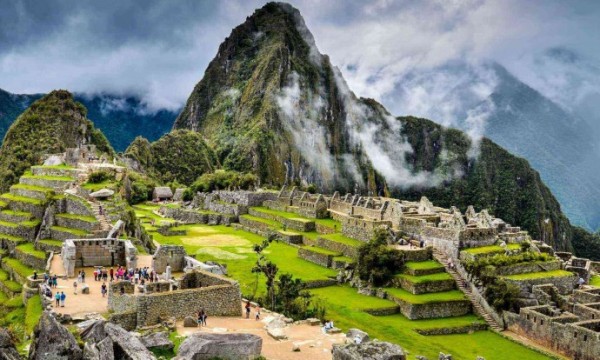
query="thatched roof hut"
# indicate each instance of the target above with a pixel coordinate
(162, 193)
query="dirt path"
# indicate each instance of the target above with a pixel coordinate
(313, 343)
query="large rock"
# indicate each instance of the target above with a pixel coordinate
(94, 332)
(355, 334)
(7, 346)
(53, 341)
(101, 351)
(127, 346)
(201, 346)
(275, 329)
(189, 321)
(371, 350)
(158, 340)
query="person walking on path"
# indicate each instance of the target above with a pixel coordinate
(203, 316)
(103, 290)
(112, 274)
(83, 276)
(247, 309)
(257, 317)
(57, 298)
(75, 287)
(62, 298)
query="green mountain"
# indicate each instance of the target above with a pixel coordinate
(271, 104)
(50, 125)
(121, 118)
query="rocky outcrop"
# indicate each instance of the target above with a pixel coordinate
(202, 346)
(126, 345)
(53, 341)
(357, 336)
(158, 340)
(189, 321)
(371, 350)
(7, 346)
(103, 350)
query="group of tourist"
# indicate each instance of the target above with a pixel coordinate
(51, 281)
(202, 316)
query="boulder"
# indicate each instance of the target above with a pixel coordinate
(200, 346)
(100, 351)
(53, 341)
(127, 345)
(53, 160)
(7, 346)
(189, 321)
(85, 289)
(443, 356)
(357, 336)
(158, 340)
(371, 350)
(94, 332)
(275, 329)
(102, 193)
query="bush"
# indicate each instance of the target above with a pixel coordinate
(502, 295)
(222, 180)
(476, 267)
(99, 176)
(377, 263)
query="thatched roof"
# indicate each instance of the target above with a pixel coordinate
(162, 192)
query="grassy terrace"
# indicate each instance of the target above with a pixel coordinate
(23, 199)
(595, 280)
(41, 189)
(491, 249)
(70, 230)
(346, 308)
(101, 185)
(320, 250)
(78, 217)
(12, 238)
(56, 167)
(51, 242)
(337, 237)
(272, 223)
(49, 177)
(454, 295)
(283, 214)
(424, 265)
(425, 278)
(17, 213)
(539, 275)
(8, 224)
(31, 223)
(18, 267)
(29, 248)
(11, 285)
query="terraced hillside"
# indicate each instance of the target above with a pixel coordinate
(314, 250)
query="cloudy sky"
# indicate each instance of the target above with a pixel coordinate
(159, 49)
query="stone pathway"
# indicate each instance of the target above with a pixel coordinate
(312, 342)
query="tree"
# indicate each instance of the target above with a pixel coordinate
(377, 263)
(267, 268)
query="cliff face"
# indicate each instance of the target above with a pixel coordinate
(50, 125)
(271, 104)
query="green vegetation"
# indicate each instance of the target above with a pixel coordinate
(320, 250)
(586, 244)
(453, 295)
(17, 213)
(426, 278)
(51, 242)
(78, 217)
(29, 248)
(8, 224)
(99, 176)
(492, 249)
(18, 267)
(33, 312)
(77, 232)
(50, 125)
(23, 199)
(346, 296)
(595, 280)
(31, 223)
(376, 261)
(539, 275)
(11, 285)
(221, 180)
(46, 190)
(338, 237)
(49, 177)
(477, 267)
(424, 265)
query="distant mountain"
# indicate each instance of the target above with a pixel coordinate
(487, 100)
(120, 118)
(271, 104)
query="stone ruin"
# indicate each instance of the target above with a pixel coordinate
(169, 255)
(97, 252)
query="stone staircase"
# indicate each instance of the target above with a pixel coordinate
(466, 289)
(102, 219)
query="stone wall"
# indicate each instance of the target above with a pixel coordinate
(289, 223)
(97, 252)
(564, 284)
(424, 287)
(432, 310)
(316, 257)
(172, 255)
(30, 260)
(361, 229)
(88, 226)
(346, 250)
(126, 320)
(76, 205)
(528, 267)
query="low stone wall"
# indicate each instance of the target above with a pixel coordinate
(289, 223)
(255, 224)
(383, 311)
(361, 229)
(564, 284)
(172, 255)
(465, 329)
(424, 287)
(88, 226)
(432, 310)
(40, 195)
(58, 234)
(76, 205)
(313, 284)
(290, 238)
(126, 320)
(417, 254)
(30, 260)
(322, 229)
(331, 245)
(246, 198)
(528, 267)
(7, 291)
(318, 258)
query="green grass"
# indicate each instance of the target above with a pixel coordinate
(330, 223)
(454, 295)
(29, 248)
(42, 189)
(539, 275)
(18, 267)
(78, 232)
(492, 249)
(12, 238)
(344, 307)
(424, 265)
(15, 302)
(108, 184)
(33, 312)
(51, 242)
(595, 280)
(10, 284)
(23, 199)
(320, 250)
(345, 259)
(78, 217)
(57, 167)
(31, 223)
(337, 237)
(17, 213)
(3, 298)
(49, 177)
(283, 214)
(272, 223)
(8, 224)
(425, 278)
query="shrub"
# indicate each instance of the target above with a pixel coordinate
(502, 295)
(99, 176)
(377, 263)
(221, 180)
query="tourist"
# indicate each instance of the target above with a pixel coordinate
(104, 275)
(580, 282)
(35, 275)
(75, 287)
(62, 298)
(257, 317)
(55, 281)
(199, 315)
(328, 326)
(100, 210)
(79, 277)
(247, 309)
(57, 298)
(112, 274)
(357, 339)
(96, 274)
(136, 277)
(83, 276)
(103, 289)
(203, 316)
